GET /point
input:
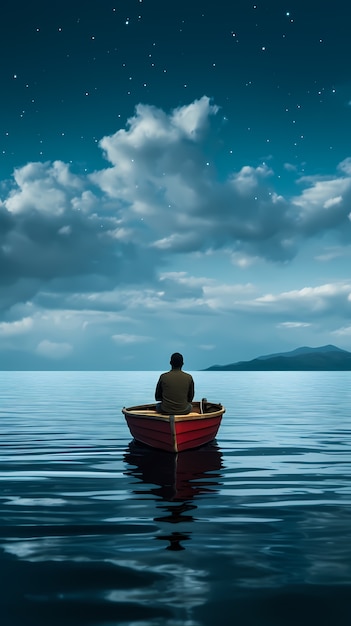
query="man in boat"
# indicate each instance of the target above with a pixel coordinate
(175, 389)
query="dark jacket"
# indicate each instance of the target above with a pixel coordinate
(175, 391)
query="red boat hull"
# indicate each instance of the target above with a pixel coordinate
(174, 433)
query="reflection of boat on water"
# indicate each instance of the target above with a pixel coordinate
(174, 480)
(174, 433)
(175, 477)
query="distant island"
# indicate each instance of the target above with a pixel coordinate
(326, 358)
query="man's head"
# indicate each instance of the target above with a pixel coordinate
(177, 360)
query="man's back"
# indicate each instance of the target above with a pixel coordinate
(175, 390)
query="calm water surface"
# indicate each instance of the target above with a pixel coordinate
(252, 530)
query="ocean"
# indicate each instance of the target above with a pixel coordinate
(252, 530)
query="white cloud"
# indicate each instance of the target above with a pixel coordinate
(249, 178)
(345, 331)
(332, 252)
(193, 119)
(54, 350)
(345, 166)
(294, 325)
(314, 300)
(331, 202)
(324, 205)
(183, 278)
(127, 339)
(289, 167)
(156, 198)
(243, 260)
(152, 129)
(43, 188)
(188, 312)
(18, 327)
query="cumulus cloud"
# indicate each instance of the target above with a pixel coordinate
(56, 228)
(18, 327)
(160, 170)
(165, 180)
(158, 195)
(325, 203)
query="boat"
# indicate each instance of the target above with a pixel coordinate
(174, 433)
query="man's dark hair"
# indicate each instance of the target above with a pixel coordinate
(177, 359)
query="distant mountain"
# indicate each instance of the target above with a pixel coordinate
(325, 358)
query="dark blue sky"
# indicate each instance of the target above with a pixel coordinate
(74, 72)
(173, 177)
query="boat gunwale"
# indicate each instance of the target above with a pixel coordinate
(144, 412)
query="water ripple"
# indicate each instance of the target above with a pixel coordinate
(97, 530)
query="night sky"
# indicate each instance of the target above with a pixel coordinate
(174, 177)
